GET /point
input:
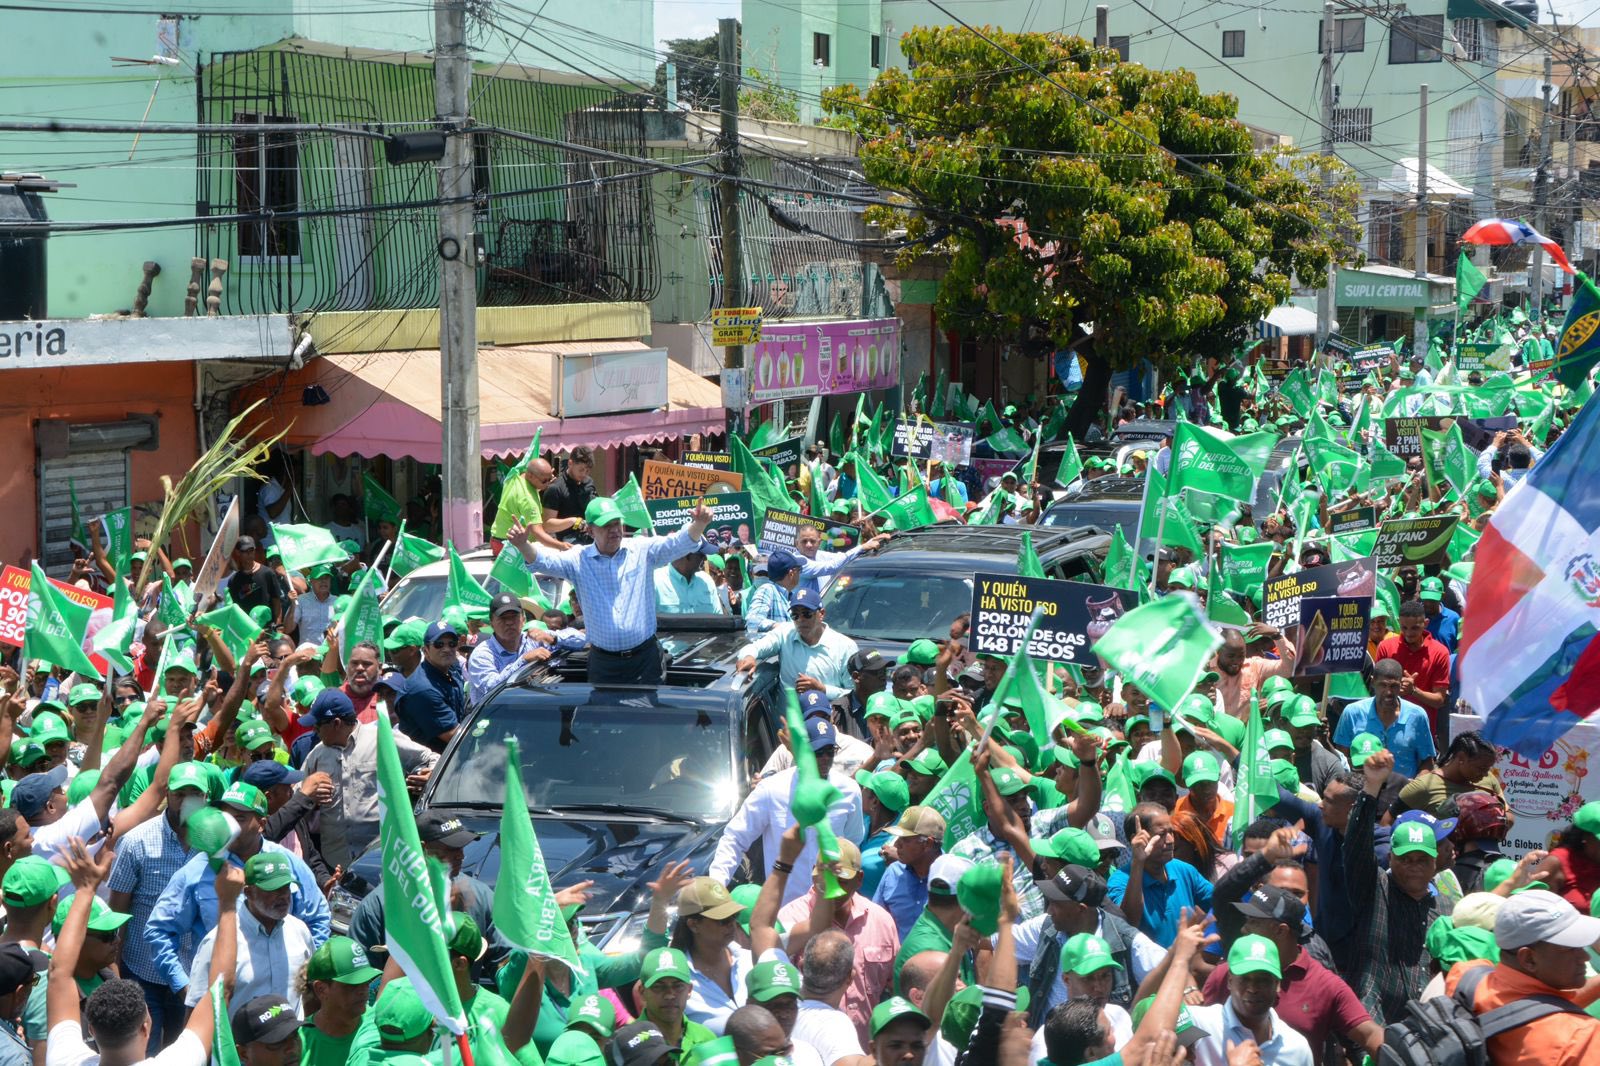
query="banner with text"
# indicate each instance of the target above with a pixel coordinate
(794, 359)
(1403, 436)
(784, 455)
(1420, 541)
(1333, 635)
(781, 529)
(1282, 595)
(1075, 615)
(1482, 357)
(732, 523)
(708, 460)
(1543, 793)
(1352, 519)
(672, 481)
(14, 587)
(941, 442)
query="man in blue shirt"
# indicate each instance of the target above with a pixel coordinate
(1156, 887)
(507, 649)
(435, 699)
(768, 605)
(1443, 623)
(903, 891)
(1402, 725)
(187, 907)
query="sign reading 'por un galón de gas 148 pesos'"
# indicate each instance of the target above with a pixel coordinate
(1075, 615)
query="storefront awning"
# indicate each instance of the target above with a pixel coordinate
(1287, 320)
(388, 403)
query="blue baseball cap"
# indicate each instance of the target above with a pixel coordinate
(267, 772)
(330, 705)
(782, 562)
(821, 733)
(440, 629)
(33, 792)
(813, 703)
(810, 599)
(394, 680)
(1442, 827)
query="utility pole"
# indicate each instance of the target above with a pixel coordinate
(1327, 312)
(1419, 329)
(458, 281)
(1102, 15)
(1541, 195)
(728, 194)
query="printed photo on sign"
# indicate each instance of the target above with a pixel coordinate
(672, 481)
(1282, 595)
(1075, 615)
(732, 524)
(781, 529)
(1420, 541)
(939, 442)
(1333, 635)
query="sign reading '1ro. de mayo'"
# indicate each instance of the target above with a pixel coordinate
(735, 325)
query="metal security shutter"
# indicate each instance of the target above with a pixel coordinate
(101, 481)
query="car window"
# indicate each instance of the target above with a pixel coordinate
(1108, 516)
(1080, 567)
(423, 597)
(896, 606)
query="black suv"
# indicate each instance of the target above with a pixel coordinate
(620, 781)
(1106, 502)
(916, 585)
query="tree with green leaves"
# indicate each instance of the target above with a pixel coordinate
(1066, 187)
(696, 61)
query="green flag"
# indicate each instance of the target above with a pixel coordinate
(1469, 281)
(1071, 468)
(814, 794)
(376, 502)
(630, 501)
(937, 398)
(959, 800)
(1579, 347)
(1256, 789)
(1539, 430)
(56, 628)
(78, 537)
(764, 491)
(1117, 794)
(1006, 441)
(817, 496)
(414, 915)
(1202, 459)
(169, 609)
(362, 619)
(1336, 466)
(119, 538)
(528, 456)
(1120, 570)
(870, 488)
(1385, 464)
(411, 551)
(304, 546)
(223, 1050)
(1462, 541)
(1446, 458)
(1177, 528)
(1160, 647)
(1297, 391)
(113, 639)
(837, 442)
(910, 510)
(526, 913)
(1244, 566)
(993, 510)
(1220, 607)
(465, 591)
(1347, 547)
(1388, 595)
(511, 571)
(238, 629)
(1028, 564)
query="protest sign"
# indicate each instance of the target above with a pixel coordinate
(1483, 357)
(1543, 793)
(218, 559)
(1282, 595)
(784, 454)
(1352, 519)
(1333, 635)
(1371, 357)
(943, 442)
(1075, 615)
(1403, 436)
(672, 481)
(14, 587)
(708, 460)
(732, 523)
(781, 529)
(1420, 541)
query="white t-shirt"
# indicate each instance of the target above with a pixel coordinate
(65, 1047)
(1121, 1031)
(81, 821)
(828, 1029)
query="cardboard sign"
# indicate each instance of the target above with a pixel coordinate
(1075, 616)
(1403, 435)
(1371, 357)
(784, 454)
(1281, 596)
(735, 325)
(943, 442)
(1333, 635)
(1543, 793)
(1482, 357)
(732, 524)
(15, 585)
(209, 576)
(781, 529)
(1351, 520)
(1420, 541)
(673, 481)
(708, 460)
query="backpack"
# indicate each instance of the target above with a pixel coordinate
(1445, 1031)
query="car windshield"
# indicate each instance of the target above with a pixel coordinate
(875, 605)
(1108, 516)
(423, 596)
(656, 751)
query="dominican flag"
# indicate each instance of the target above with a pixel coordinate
(1529, 660)
(1504, 231)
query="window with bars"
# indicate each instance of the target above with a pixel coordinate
(1469, 35)
(1232, 44)
(1352, 124)
(266, 177)
(1350, 35)
(1416, 39)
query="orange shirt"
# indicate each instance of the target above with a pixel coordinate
(1217, 824)
(1556, 1040)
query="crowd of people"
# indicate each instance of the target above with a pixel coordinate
(182, 825)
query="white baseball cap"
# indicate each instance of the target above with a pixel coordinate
(1539, 917)
(947, 869)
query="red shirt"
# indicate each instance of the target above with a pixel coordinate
(366, 706)
(1581, 875)
(1429, 664)
(1312, 1001)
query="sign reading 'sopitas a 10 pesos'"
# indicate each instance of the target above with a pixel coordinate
(824, 358)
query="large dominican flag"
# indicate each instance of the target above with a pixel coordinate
(1529, 660)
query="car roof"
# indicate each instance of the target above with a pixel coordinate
(701, 650)
(1000, 541)
(479, 561)
(1105, 488)
(1145, 429)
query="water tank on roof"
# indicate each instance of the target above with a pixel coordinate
(1528, 9)
(22, 251)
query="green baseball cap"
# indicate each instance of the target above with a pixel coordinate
(1200, 767)
(892, 1010)
(889, 787)
(1182, 578)
(1432, 589)
(1275, 683)
(1301, 710)
(399, 1014)
(305, 690)
(342, 961)
(1587, 818)
(467, 940)
(191, 775)
(319, 571)
(1085, 953)
(595, 1012)
(31, 881)
(1285, 773)
(978, 892)
(1189, 1034)
(47, 729)
(602, 511)
(1413, 836)
(102, 919)
(922, 652)
(253, 735)
(664, 962)
(79, 787)
(1256, 954)
(1277, 738)
(931, 764)
(961, 1014)
(269, 870)
(1007, 780)
(1496, 872)
(181, 563)
(769, 980)
(412, 633)
(245, 797)
(1362, 747)
(27, 753)
(1069, 845)
(84, 693)
(1142, 773)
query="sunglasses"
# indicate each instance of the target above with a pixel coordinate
(451, 644)
(802, 612)
(105, 937)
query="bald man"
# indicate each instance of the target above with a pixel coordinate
(520, 502)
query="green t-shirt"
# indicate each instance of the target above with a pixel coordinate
(573, 1048)
(35, 1019)
(138, 781)
(694, 1034)
(518, 502)
(927, 933)
(319, 1049)
(487, 1016)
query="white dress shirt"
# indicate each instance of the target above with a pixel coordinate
(766, 814)
(828, 1029)
(268, 962)
(1223, 1029)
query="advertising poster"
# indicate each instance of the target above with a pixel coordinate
(781, 529)
(1421, 541)
(1543, 793)
(942, 442)
(732, 525)
(708, 460)
(1075, 615)
(1333, 635)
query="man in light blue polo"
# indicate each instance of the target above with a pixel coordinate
(810, 655)
(1402, 725)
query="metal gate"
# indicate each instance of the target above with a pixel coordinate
(100, 480)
